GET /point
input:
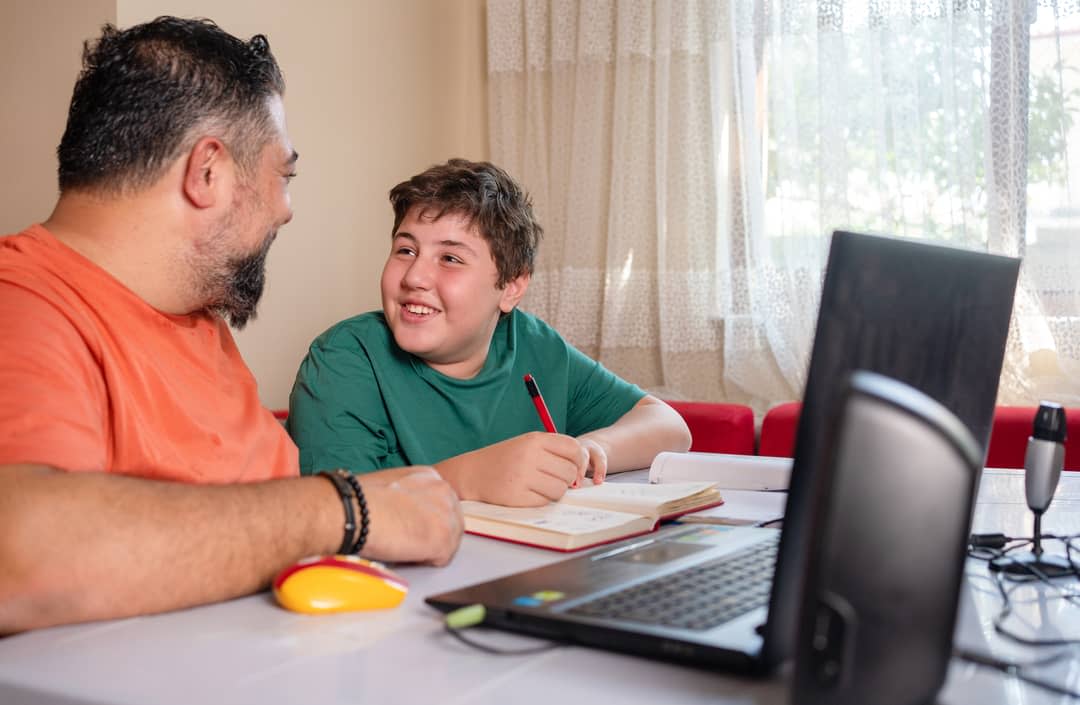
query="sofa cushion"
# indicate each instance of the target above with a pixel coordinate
(718, 427)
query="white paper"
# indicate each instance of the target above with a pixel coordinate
(742, 507)
(730, 472)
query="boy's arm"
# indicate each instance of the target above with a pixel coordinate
(536, 468)
(618, 440)
(336, 417)
(632, 442)
(84, 546)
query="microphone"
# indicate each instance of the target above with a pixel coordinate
(1045, 457)
(1043, 461)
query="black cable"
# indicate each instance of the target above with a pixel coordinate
(995, 549)
(1016, 669)
(459, 634)
(459, 620)
(988, 540)
(1006, 611)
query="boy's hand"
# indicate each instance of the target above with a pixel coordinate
(525, 471)
(597, 459)
(415, 516)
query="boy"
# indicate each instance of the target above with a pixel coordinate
(437, 376)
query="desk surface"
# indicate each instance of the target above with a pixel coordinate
(251, 651)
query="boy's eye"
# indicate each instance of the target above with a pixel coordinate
(452, 259)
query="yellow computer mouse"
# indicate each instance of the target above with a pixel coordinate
(324, 584)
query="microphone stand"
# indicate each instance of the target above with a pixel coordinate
(1029, 565)
(1042, 469)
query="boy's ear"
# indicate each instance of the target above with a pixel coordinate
(513, 292)
(206, 174)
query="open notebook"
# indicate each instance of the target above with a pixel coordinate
(591, 515)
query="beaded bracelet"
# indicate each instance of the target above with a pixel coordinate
(365, 519)
(345, 491)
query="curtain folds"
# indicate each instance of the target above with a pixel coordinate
(689, 159)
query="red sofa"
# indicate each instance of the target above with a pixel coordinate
(778, 430)
(1008, 435)
(729, 428)
(718, 427)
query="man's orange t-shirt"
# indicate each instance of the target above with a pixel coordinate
(93, 378)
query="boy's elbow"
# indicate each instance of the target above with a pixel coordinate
(676, 434)
(682, 438)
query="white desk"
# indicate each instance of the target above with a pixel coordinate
(251, 651)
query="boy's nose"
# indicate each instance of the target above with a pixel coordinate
(418, 275)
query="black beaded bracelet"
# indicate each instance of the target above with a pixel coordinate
(345, 491)
(365, 519)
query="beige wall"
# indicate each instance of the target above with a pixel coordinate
(40, 56)
(377, 91)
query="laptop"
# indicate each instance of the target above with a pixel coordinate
(723, 597)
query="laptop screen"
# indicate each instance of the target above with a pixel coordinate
(934, 317)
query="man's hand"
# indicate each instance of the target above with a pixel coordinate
(415, 516)
(525, 471)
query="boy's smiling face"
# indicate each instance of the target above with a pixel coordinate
(439, 293)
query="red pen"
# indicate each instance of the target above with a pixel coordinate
(538, 402)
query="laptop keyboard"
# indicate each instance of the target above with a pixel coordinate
(700, 596)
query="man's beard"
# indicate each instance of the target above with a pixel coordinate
(244, 287)
(233, 285)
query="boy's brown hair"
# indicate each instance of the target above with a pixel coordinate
(488, 199)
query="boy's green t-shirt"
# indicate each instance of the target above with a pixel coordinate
(362, 403)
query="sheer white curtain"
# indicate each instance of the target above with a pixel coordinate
(912, 119)
(602, 110)
(689, 159)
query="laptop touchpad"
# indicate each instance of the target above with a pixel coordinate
(659, 553)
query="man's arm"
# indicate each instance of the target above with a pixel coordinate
(632, 442)
(83, 546)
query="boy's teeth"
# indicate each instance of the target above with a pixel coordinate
(413, 308)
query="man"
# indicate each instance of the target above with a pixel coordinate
(115, 357)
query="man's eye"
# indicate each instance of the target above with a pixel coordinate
(452, 259)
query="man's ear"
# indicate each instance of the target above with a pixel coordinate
(207, 173)
(513, 292)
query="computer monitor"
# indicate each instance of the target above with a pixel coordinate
(934, 317)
